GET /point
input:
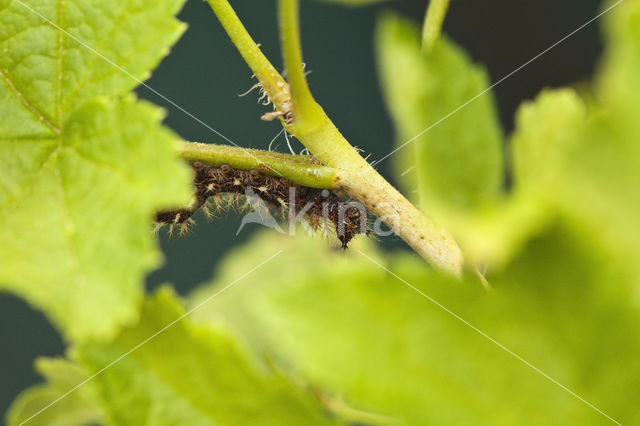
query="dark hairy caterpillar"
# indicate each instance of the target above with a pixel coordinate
(320, 207)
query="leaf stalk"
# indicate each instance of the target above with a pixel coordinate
(433, 21)
(301, 169)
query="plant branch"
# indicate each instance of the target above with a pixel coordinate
(309, 123)
(301, 169)
(433, 22)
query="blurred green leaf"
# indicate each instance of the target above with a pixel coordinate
(79, 408)
(547, 130)
(457, 164)
(365, 337)
(189, 375)
(585, 161)
(83, 175)
(570, 157)
(493, 235)
(604, 170)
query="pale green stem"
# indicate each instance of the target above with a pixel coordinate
(433, 22)
(301, 169)
(353, 174)
(358, 179)
(304, 106)
(270, 79)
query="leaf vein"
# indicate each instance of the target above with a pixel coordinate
(114, 169)
(34, 176)
(59, 61)
(32, 108)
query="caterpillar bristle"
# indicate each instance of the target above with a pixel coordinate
(184, 229)
(223, 189)
(215, 205)
(206, 210)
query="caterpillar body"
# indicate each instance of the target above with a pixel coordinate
(216, 186)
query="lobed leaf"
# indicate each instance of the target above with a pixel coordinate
(571, 157)
(548, 129)
(79, 408)
(83, 169)
(585, 160)
(189, 375)
(54, 55)
(604, 168)
(457, 164)
(367, 339)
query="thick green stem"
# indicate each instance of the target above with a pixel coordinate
(301, 169)
(308, 122)
(357, 178)
(433, 22)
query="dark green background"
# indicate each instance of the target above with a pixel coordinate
(204, 74)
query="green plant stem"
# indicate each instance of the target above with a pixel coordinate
(304, 106)
(301, 169)
(357, 178)
(309, 123)
(433, 22)
(272, 82)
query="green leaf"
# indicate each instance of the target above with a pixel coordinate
(584, 161)
(82, 175)
(604, 169)
(618, 84)
(493, 235)
(189, 375)
(571, 157)
(547, 132)
(458, 163)
(79, 408)
(45, 73)
(364, 336)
